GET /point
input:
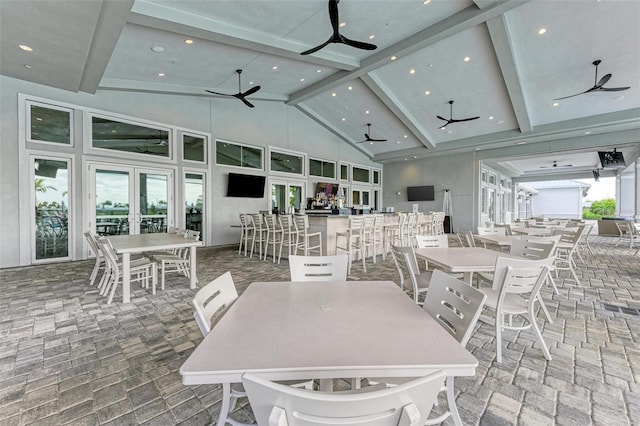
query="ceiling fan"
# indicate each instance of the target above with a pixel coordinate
(556, 165)
(368, 138)
(598, 85)
(337, 37)
(240, 95)
(451, 119)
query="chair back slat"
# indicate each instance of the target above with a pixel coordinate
(319, 268)
(213, 300)
(432, 241)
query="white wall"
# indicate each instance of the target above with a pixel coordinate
(563, 203)
(627, 195)
(454, 172)
(268, 124)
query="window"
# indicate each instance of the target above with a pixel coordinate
(194, 148)
(360, 197)
(376, 177)
(194, 194)
(344, 171)
(287, 163)
(360, 175)
(233, 154)
(322, 168)
(492, 179)
(117, 135)
(483, 177)
(48, 123)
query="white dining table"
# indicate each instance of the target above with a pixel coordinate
(125, 245)
(463, 259)
(324, 330)
(499, 240)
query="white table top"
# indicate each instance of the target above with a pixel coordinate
(325, 330)
(150, 242)
(462, 259)
(500, 240)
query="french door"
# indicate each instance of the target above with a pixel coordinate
(287, 195)
(129, 200)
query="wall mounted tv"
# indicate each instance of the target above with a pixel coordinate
(245, 186)
(420, 193)
(611, 159)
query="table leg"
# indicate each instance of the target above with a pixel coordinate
(126, 277)
(192, 264)
(467, 277)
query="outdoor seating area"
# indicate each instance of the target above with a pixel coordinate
(68, 357)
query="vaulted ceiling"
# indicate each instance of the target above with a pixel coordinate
(504, 61)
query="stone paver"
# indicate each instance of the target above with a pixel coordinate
(68, 358)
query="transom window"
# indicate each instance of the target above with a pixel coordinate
(322, 168)
(360, 174)
(238, 155)
(116, 135)
(287, 162)
(194, 147)
(49, 123)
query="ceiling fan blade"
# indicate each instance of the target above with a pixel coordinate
(315, 49)
(246, 102)
(458, 120)
(377, 140)
(614, 89)
(603, 80)
(445, 124)
(358, 44)
(577, 94)
(217, 93)
(442, 118)
(366, 137)
(251, 91)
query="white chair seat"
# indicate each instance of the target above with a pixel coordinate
(423, 279)
(513, 303)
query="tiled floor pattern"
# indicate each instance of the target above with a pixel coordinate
(68, 358)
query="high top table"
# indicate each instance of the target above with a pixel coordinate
(324, 330)
(463, 259)
(127, 244)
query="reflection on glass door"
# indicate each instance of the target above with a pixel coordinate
(129, 200)
(287, 197)
(51, 207)
(194, 201)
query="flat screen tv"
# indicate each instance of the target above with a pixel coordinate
(420, 193)
(245, 186)
(611, 159)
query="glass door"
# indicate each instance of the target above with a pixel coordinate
(129, 200)
(287, 195)
(194, 202)
(50, 223)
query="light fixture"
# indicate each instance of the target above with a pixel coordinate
(542, 31)
(350, 87)
(427, 93)
(555, 104)
(406, 136)
(25, 48)
(251, 82)
(344, 119)
(393, 58)
(412, 71)
(302, 79)
(275, 67)
(520, 143)
(424, 2)
(161, 74)
(27, 66)
(491, 117)
(366, 112)
(318, 70)
(334, 94)
(188, 41)
(372, 36)
(157, 49)
(467, 59)
(343, 24)
(587, 132)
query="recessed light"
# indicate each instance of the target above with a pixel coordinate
(319, 71)
(302, 79)
(251, 82)
(467, 59)
(405, 159)
(333, 94)
(188, 41)
(350, 87)
(343, 24)
(275, 67)
(398, 142)
(491, 117)
(25, 48)
(157, 49)
(344, 119)
(426, 2)
(393, 58)
(520, 143)
(587, 132)
(370, 143)
(555, 104)
(161, 74)
(542, 31)
(427, 92)
(415, 156)
(406, 136)
(372, 36)
(27, 66)
(366, 112)
(412, 71)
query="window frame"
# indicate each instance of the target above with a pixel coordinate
(361, 182)
(205, 146)
(348, 166)
(335, 165)
(28, 136)
(301, 155)
(241, 145)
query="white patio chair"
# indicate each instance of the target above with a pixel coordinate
(566, 248)
(259, 234)
(141, 270)
(374, 234)
(456, 306)
(289, 233)
(352, 240)
(407, 266)
(515, 289)
(306, 238)
(93, 244)
(426, 241)
(408, 404)
(273, 237)
(466, 239)
(179, 262)
(318, 268)
(628, 232)
(246, 232)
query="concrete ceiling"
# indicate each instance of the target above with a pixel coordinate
(510, 80)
